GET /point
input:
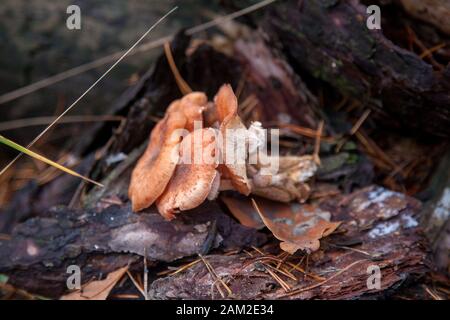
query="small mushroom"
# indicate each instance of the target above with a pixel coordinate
(156, 166)
(226, 103)
(195, 177)
(234, 135)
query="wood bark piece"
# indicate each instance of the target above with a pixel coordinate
(42, 248)
(379, 228)
(330, 40)
(280, 94)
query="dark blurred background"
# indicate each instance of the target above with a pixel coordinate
(35, 44)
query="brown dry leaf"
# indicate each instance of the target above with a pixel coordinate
(194, 179)
(233, 131)
(299, 227)
(241, 208)
(97, 290)
(156, 166)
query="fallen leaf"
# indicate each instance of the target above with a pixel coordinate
(241, 208)
(97, 290)
(298, 226)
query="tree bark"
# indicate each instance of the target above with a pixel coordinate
(329, 39)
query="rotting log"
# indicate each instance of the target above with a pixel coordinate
(40, 249)
(329, 40)
(42, 252)
(379, 229)
(435, 12)
(436, 214)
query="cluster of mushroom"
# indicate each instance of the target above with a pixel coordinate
(161, 177)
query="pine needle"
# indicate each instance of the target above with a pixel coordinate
(182, 84)
(33, 154)
(317, 143)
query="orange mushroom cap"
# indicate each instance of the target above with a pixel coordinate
(194, 177)
(192, 105)
(156, 166)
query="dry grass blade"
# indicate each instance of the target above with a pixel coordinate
(40, 121)
(30, 153)
(15, 94)
(43, 132)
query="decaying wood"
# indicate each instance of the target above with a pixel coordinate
(436, 214)
(330, 40)
(435, 12)
(42, 248)
(379, 229)
(279, 94)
